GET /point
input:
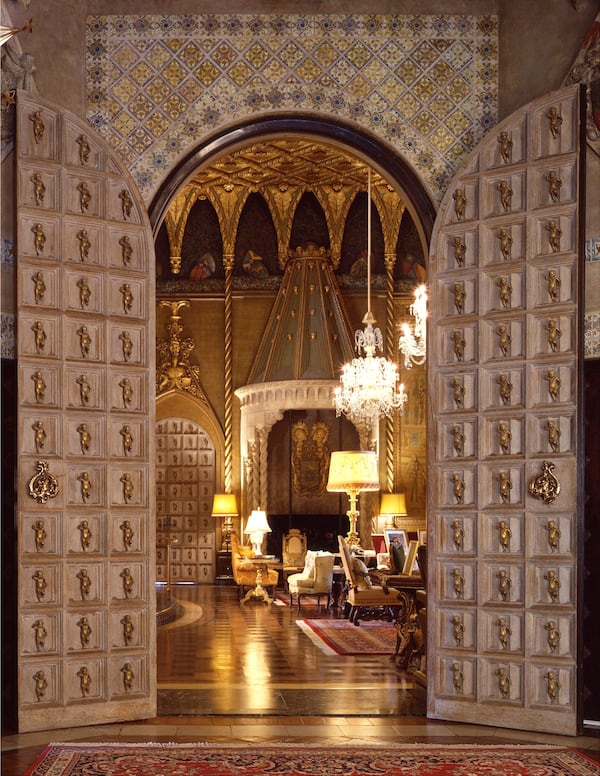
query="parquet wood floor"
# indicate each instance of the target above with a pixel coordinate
(247, 673)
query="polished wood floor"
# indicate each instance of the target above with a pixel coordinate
(247, 673)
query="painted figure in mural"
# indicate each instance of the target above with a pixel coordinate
(411, 268)
(254, 265)
(203, 267)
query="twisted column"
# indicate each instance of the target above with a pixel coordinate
(228, 343)
(390, 347)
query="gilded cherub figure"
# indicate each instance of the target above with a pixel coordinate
(460, 250)
(458, 440)
(504, 584)
(553, 384)
(39, 239)
(552, 686)
(505, 145)
(39, 386)
(39, 287)
(126, 344)
(555, 121)
(505, 292)
(505, 339)
(128, 676)
(84, 244)
(85, 681)
(40, 634)
(85, 292)
(554, 185)
(128, 582)
(457, 677)
(127, 439)
(458, 487)
(458, 534)
(554, 235)
(506, 194)
(459, 297)
(504, 682)
(553, 284)
(86, 486)
(458, 583)
(85, 534)
(554, 534)
(460, 203)
(126, 293)
(127, 391)
(38, 125)
(39, 436)
(504, 486)
(458, 629)
(504, 633)
(505, 388)
(504, 436)
(554, 335)
(85, 631)
(41, 685)
(84, 149)
(126, 203)
(85, 389)
(40, 535)
(127, 483)
(553, 435)
(126, 250)
(128, 629)
(553, 585)
(506, 242)
(504, 535)
(553, 637)
(459, 344)
(39, 189)
(40, 584)
(85, 196)
(39, 336)
(458, 391)
(85, 341)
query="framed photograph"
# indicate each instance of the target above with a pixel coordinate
(395, 536)
(423, 537)
(411, 557)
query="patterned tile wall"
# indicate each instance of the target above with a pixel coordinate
(158, 84)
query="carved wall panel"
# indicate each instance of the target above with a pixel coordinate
(185, 483)
(84, 396)
(504, 379)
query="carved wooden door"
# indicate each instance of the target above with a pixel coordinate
(85, 291)
(504, 393)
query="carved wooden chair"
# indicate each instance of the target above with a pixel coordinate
(362, 594)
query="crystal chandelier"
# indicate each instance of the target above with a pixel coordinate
(369, 386)
(413, 345)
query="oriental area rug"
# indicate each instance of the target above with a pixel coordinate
(308, 760)
(341, 637)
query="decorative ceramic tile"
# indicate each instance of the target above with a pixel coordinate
(591, 335)
(157, 85)
(592, 249)
(7, 252)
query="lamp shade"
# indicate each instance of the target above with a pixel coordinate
(257, 522)
(353, 470)
(224, 505)
(392, 504)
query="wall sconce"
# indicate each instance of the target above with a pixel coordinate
(225, 506)
(351, 472)
(256, 528)
(413, 345)
(392, 505)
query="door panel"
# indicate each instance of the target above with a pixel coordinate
(504, 379)
(86, 632)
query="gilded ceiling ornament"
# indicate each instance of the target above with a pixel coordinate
(43, 485)
(173, 370)
(545, 486)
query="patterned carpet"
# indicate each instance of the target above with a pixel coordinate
(341, 637)
(308, 760)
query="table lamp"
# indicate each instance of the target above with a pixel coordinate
(225, 506)
(351, 472)
(256, 528)
(392, 505)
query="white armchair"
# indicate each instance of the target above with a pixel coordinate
(316, 578)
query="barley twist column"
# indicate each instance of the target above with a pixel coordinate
(228, 420)
(390, 347)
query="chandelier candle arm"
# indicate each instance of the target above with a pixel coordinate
(413, 344)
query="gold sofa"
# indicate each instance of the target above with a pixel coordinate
(244, 570)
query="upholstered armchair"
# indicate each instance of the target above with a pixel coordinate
(316, 578)
(362, 594)
(244, 570)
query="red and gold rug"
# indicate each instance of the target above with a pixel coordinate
(341, 637)
(308, 760)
